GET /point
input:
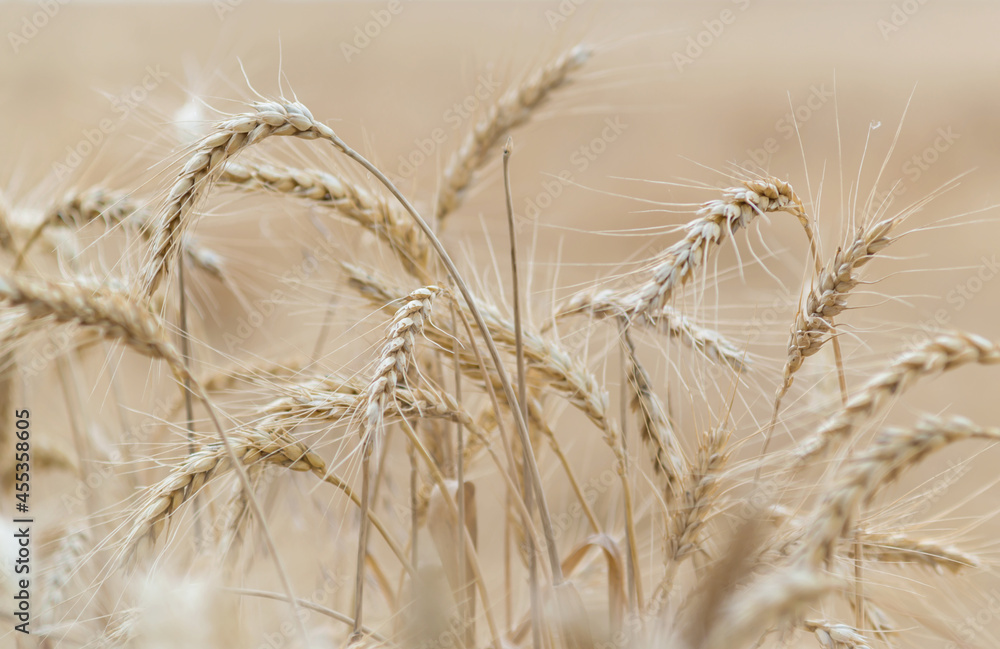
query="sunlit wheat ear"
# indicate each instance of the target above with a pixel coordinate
(828, 296)
(78, 208)
(717, 220)
(395, 357)
(514, 108)
(891, 453)
(942, 353)
(666, 321)
(697, 502)
(112, 312)
(813, 326)
(166, 497)
(393, 360)
(903, 549)
(204, 165)
(372, 212)
(654, 425)
(547, 360)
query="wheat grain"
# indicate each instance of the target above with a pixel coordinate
(394, 358)
(654, 426)
(697, 501)
(196, 470)
(108, 310)
(836, 636)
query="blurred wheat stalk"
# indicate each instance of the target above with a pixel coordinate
(691, 547)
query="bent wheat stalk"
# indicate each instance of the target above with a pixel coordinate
(293, 119)
(717, 220)
(274, 118)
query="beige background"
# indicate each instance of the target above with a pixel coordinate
(686, 126)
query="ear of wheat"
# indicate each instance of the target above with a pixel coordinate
(412, 431)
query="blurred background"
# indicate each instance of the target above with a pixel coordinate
(851, 102)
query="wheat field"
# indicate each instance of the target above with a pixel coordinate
(499, 324)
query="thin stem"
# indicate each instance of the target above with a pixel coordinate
(467, 601)
(188, 397)
(522, 397)
(859, 593)
(304, 603)
(522, 428)
(359, 579)
(470, 549)
(414, 517)
(241, 471)
(74, 411)
(633, 593)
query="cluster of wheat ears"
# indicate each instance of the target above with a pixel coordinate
(702, 532)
